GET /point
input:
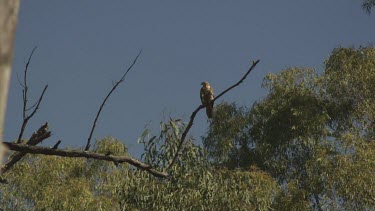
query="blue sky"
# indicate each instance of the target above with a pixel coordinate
(84, 46)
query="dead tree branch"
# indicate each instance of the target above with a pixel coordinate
(239, 82)
(183, 136)
(23, 148)
(106, 98)
(57, 144)
(25, 89)
(43, 133)
(37, 137)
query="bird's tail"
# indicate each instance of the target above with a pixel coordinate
(209, 111)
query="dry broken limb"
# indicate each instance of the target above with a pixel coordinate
(106, 98)
(183, 136)
(37, 137)
(23, 148)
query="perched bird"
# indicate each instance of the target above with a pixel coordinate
(207, 95)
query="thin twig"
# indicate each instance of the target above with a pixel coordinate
(23, 148)
(239, 82)
(19, 81)
(183, 136)
(25, 87)
(106, 98)
(24, 96)
(38, 103)
(33, 106)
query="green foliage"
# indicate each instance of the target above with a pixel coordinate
(56, 183)
(210, 190)
(288, 123)
(313, 133)
(226, 139)
(354, 180)
(345, 176)
(110, 145)
(292, 198)
(349, 86)
(195, 185)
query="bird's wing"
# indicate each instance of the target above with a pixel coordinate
(202, 95)
(212, 93)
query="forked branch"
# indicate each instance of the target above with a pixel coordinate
(184, 134)
(25, 90)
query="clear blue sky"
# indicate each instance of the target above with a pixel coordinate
(83, 46)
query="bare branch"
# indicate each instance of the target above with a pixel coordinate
(106, 98)
(38, 102)
(57, 144)
(19, 81)
(183, 136)
(239, 82)
(23, 148)
(33, 106)
(37, 137)
(25, 89)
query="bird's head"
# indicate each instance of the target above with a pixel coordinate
(205, 83)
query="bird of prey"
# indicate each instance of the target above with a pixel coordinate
(207, 95)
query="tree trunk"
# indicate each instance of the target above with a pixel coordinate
(8, 22)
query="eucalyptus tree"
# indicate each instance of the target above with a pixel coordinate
(312, 133)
